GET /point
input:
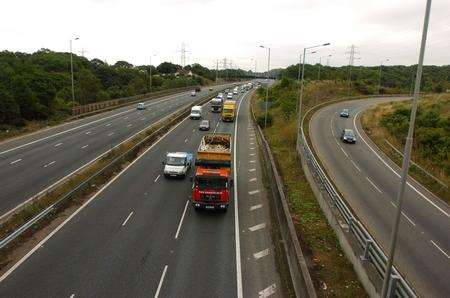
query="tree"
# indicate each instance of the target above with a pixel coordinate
(9, 109)
(167, 68)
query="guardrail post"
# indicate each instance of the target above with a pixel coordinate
(365, 256)
(393, 286)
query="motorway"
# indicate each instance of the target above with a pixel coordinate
(32, 163)
(139, 235)
(369, 182)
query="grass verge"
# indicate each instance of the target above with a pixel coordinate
(332, 273)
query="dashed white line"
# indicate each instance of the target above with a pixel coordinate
(252, 170)
(109, 124)
(252, 154)
(440, 249)
(161, 282)
(252, 148)
(110, 134)
(130, 125)
(251, 143)
(373, 184)
(257, 227)
(252, 161)
(88, 132)
(255, 207)
(126, 220)
(125, 117)
(85, 146)
(16, 161)
(185, 140)
(404, 214)
(143, 118)
(49, 164)
(57, 145)
(345, 153)
(260, 254)
(72, 296)
(270, 290)
(252, 180)
(181, 220)
(354, 164)
(156, 179)
(253, 192)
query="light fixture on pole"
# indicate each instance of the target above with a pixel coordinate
(379, 73)
(387, 284)
(71, 69)
(267, 86)
(301, 88)
(320, 65)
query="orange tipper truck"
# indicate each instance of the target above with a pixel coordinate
(212, 180)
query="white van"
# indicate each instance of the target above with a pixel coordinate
(196, 112)
(141, 106)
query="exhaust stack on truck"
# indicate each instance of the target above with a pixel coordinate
(212, 180)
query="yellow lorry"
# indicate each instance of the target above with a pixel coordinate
(229, 110)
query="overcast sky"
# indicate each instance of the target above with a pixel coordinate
(131, 30)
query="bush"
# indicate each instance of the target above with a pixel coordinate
(261, 120)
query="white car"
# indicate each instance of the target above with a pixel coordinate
(196, 112)
(141, 106)
(193, 93)
(230, 95)
(220, 95)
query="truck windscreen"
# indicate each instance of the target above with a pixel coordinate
(215, 183)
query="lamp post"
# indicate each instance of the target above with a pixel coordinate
(299, 72)
(267, 87)
(71, 69)
(320, 65)
(406, 156)
(150, 73)
(379, 73)
(301, 88)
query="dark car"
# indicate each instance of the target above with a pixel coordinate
(345, 113)
(348, 136)
(204, 125)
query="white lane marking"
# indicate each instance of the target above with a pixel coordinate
(270, 290)
(404, 214)
(143, 118)
(440, 249)
(251, 143)
(252, 170)
(257, 227)
(185, 140)
(110, 134)
(86, 124)
(252, 154)
(260, 254)
(181, 220)
(156, 179)
(345, 153)
(253, 179)
(354, 164)
(88, 132)
(125, 117)
(193, 130)
(72, 296)
(43, 241)
(57, 145)
(161, 282)
(130, 125)
(387, 165)
(254, 207)
(253, 192)
(108, 124)
(252, 148)
(373, 184)
(16, 161)
(252, 161)
(85, 146)
(126, 220)
(49, 164)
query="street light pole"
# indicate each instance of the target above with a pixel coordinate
(71, 70)
(379, 74)
(267, 86)
(407, 154)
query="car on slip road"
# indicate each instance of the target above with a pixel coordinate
(204, 125)
(348, 136)
(344, 113)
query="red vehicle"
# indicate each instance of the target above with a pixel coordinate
(212, 180)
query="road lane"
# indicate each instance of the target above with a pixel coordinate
(370, 187)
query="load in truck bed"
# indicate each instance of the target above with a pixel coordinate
(214, 151)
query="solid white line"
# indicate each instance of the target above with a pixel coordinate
(254, 207)
(252, 170)
(181, 220)
(260, 254)
(49, 164)
(161, 282)
(16, 161)
(442, 251)
(110, 134)
(373, 184)
(253, 179)
(156, 179)
(126, 220)
(354, 164)
(257, 227)
(387, 165)
(84, 146)
(270, 290)
(344, 151)
(57, 145)
(253, 192)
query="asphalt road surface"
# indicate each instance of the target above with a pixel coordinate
(32, 163)
(369, 182)
(139, 235)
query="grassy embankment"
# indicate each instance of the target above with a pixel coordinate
(431, 146)
(331, 272)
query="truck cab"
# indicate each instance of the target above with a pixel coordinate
(177, 164)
